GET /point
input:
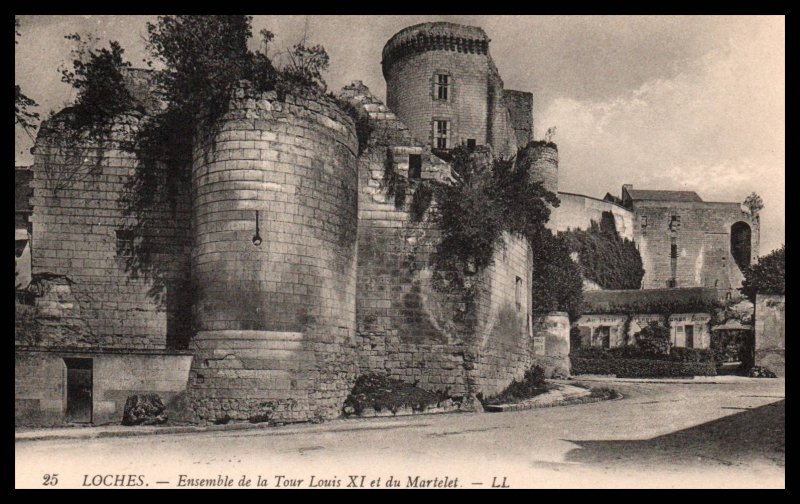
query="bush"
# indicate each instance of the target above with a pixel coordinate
(144, 409)
(604, 393)
(641, 368)
(381, 393)
(593, 353)
(532, 384)
(654, 340)
(760, 372)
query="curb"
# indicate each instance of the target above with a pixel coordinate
(582, 398)
(337, 425)
(685, 381)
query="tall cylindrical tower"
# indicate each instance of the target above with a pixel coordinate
(442, 83)
(275, 220)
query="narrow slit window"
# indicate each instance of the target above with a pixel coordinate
(518, 293)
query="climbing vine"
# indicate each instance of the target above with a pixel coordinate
(605, 257)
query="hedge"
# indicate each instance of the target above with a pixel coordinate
(676, 354)
(641, 368)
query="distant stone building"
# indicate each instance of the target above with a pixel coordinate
(687, 242)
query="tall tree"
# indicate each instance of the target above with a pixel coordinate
(23, 115)
(768, 276)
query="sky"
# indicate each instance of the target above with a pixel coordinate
(660, 102)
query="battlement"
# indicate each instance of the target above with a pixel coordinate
(439, 36)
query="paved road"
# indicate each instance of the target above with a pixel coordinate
(659, 435)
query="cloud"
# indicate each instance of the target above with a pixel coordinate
(716, 127)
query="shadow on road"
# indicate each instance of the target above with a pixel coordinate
(752, 434)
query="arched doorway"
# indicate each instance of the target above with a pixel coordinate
(740, 244)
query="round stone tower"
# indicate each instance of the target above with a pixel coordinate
(542, 159)
(442, 83)
(274, 260)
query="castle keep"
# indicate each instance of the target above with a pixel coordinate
(284, 267)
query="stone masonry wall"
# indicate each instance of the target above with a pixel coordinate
(703, 241)
(520, 108)
(577, 211)
(40, 376)
(505, 334)
(78, 189)
(409, 326)
(770, 333)
(407, 329)
(276, 321)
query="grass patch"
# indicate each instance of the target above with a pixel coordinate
(532, 384)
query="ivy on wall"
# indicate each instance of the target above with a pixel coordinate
(605, 257)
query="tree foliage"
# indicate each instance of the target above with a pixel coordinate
(484, 200)
(653, 339)
(97, 76)
(605, 257)
(754, 203)
(23, 115)
(557, 281)
(768, 276)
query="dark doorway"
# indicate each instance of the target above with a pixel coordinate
(689, 336)
(602, 336)
(79, 390)
(584, 336)
(414, 166)
(740, 244)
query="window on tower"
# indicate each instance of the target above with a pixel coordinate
(442, 91)
(441, 133)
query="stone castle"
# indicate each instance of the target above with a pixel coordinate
(285, 268)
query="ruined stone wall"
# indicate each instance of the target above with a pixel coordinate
(500, 127)
(703, 241)
(407, 328)
(276, 321)
(520, 108)
(770, 333)
(411, 324)
(78, 197)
